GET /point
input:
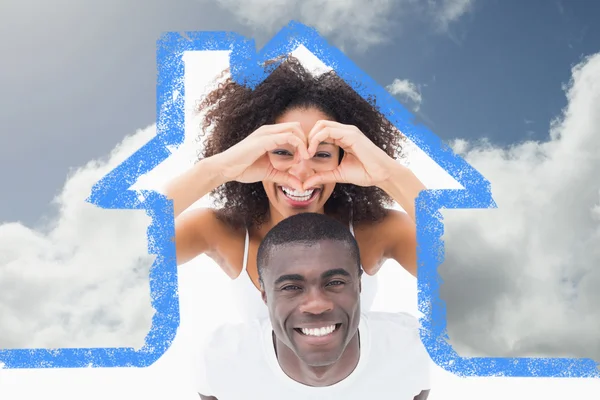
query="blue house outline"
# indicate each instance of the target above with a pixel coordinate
(112, 192)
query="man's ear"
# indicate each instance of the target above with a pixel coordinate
(263, 294)
(360, 274)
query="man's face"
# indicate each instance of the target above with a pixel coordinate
(313, 294)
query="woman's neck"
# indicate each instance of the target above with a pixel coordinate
(274, 217)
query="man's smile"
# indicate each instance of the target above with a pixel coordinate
(318, 335)
(319, 330)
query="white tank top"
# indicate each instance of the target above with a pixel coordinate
(251, 305)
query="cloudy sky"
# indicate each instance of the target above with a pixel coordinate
(513, 86)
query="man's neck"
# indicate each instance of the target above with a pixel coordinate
(318, 376)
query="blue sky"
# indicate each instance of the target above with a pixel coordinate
(499, 72)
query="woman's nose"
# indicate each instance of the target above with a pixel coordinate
(302, 170)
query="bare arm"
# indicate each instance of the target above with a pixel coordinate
(192, 229)
(194, 184)
(404, 187)
(402, 234)
(421, 396)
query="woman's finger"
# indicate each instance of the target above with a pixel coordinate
(339, 136)
(285, 179)
(285, 127)
(324, 123)
(323, 177)
(275, 141)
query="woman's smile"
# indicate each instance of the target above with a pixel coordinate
(299, 199)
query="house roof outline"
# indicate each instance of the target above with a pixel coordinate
(113, 192)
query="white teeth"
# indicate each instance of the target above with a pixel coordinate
(296, 195)
(318, 331)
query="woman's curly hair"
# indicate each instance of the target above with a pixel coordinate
(234, 111)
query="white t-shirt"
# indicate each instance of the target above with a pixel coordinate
(239, 362)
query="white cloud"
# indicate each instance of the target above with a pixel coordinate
(523, 279)
(90, 267)
(78, 284)
(446, 12)
(351, 23)
(407, 90)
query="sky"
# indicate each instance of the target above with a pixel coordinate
(518, 281)
(77, 78)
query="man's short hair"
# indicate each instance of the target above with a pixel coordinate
(308, 229)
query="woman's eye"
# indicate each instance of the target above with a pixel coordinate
(322, 155)
(282, 153)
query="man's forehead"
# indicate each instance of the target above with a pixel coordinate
(337, 247)
(310, 255)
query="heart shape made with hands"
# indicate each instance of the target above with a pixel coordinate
(363, 163)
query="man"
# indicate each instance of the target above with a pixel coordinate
(316, 344)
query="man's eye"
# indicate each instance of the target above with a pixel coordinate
(290, 287)
(335, 283)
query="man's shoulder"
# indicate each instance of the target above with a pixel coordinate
(231, 338)
(397, 321)
(396, 348)
(237, 331)
(395, 332)
(229, 351)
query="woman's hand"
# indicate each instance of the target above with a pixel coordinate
(364, 164)
(248, 161)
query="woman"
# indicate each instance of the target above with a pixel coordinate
(296, 143)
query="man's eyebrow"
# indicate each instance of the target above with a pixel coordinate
(333, 272)
(289, 277)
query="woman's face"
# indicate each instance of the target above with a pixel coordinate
(284, 201)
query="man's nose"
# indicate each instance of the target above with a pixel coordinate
(302, 170)
(316, 302)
